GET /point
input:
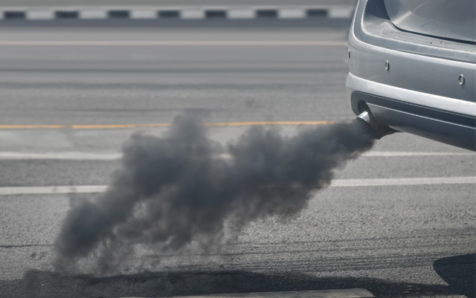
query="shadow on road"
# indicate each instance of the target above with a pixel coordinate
(459, 272)
(49, 284)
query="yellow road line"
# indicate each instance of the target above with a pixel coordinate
(116, 126)
(258, 123)
(119, 126)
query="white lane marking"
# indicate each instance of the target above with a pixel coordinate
(92, 14)
(65, 189)
(143, 14)
(340, 13)
(117, 155)
(43, 190)
(190, 13)
(170, 43)
(402, 181)
(40, 15)
(343, 293)
(291, 13)
(405, 153)
(241, 14)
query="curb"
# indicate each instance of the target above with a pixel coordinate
(186, 13)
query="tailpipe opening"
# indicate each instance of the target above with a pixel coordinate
(376, 129)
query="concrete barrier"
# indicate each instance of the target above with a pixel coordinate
(183, 13)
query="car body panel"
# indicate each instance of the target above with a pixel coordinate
(453, 19)
(448, 104)
(414, 72)
(372, 25)
(411, 82)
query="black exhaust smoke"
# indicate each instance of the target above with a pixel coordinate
(173, 190)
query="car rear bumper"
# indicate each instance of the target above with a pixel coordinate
(410, 86)
(390, 106)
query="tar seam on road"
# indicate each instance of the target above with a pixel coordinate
(65, 189)
(248, 43)
(117, 126)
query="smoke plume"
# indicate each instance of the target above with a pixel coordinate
(173, 189)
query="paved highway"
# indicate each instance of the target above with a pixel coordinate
(70, 97)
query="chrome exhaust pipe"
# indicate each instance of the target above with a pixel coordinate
(376, 129)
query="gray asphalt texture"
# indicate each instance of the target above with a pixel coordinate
(395, 241)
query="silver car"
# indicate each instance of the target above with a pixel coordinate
(413, 67)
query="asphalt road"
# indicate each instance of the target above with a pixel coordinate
(393, 240)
